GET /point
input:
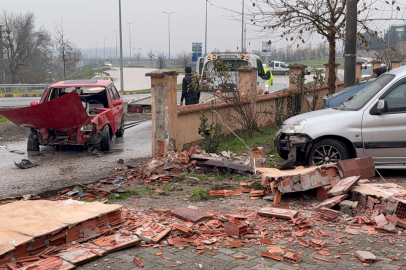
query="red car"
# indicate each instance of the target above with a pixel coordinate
(77, 112)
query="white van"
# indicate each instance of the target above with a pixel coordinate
(232, 61)
(278, 67)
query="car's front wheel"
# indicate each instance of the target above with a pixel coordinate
(105, 140)
(33, 142)
(327, 151)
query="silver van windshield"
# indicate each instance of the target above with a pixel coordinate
(361, 98)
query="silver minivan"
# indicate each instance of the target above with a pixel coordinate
(370, 123)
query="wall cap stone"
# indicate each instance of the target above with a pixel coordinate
(336, 65)
(296, 66)
(162, 73)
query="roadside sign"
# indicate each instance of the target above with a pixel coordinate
(196, 50)
(266, 48)
(176, 62)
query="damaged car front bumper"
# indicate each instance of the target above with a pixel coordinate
(292, 146)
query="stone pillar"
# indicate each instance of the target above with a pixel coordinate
(395, 64)
(163, 110)
(375, 64)
(326, 73)
(296, 71)
(358, 73)
(247, 83)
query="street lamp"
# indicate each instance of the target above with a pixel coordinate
(139, 55)
(116, 41)
(205, 35)
(169, 30)
(121, 47)
(242, 28)
(90, 54)
(129, 33)
(96, 53)
(104, 50)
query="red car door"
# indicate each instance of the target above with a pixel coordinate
(118, 110)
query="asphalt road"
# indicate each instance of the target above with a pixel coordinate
(66, 167)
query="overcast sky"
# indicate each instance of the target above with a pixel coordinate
(86, 21)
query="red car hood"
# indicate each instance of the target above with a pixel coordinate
(63, 112)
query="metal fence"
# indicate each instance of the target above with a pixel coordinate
(22, 87)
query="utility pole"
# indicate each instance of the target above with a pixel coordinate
(242, 28)
(116, 42)
(97, 60)
(121, 48)
(104, 51)
(2, 75)
(90, 55)
(169, 30)
(205, 36)
(129, 33)
(350, 43)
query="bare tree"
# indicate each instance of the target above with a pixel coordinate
(298, 20)
(25, 48)
(160, 61)
(184, 58)
(137, 56)
(150, 55)
(65, 49)
(390, 54)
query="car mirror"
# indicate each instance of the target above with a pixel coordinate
(33, 103)
(117, 102)
(381, 107)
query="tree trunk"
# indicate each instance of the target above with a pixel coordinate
(332, 76)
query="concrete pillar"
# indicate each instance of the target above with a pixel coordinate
(375, 64)
(358, 73)
(295, 73)
(247, 83)
(163, 110)
(395, 64)
(326, 73)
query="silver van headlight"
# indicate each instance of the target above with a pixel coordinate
(294, 127)
(87, 128)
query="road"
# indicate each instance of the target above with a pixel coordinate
(67, 167)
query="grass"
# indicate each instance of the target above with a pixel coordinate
(199, 194)
(3, 119)
(125, 195)
(83, 73)
(263, 137)
(317, 63)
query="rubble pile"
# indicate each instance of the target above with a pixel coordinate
(350, 205)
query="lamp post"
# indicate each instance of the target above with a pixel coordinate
(90, 54)
(121, 48)
(205, 35)
(1, 57)
(96, 53)
(169, 30)
(242, 28)
(116, 41)
(129, 33)
(104, 48)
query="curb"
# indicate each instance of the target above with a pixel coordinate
(19, 95)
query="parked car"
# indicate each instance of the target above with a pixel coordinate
(79, 112)
(101, 77)
(108, 64)
(278, 67)
(372, 123)
(336, 99)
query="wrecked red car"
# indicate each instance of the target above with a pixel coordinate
(75, 112)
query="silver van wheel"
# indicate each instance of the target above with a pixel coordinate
(327, 151)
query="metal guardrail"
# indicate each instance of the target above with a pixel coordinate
(22, 87)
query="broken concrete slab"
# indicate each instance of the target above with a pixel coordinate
(152, 232)
(299, 179)
(331, 202)
(343, 186)
(365, 256)
(81, 254)
(278, 213)
(191, 215)
(53, 263)
(389, 197)
(363, 167)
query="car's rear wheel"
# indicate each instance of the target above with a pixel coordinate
(327, 151)
(120, 131)
(33, 142)
(286, 72)
(105, 140)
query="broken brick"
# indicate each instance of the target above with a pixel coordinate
(343, 186)
(292, 257)
(270, 255)
(278, 213)
(363, 167)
